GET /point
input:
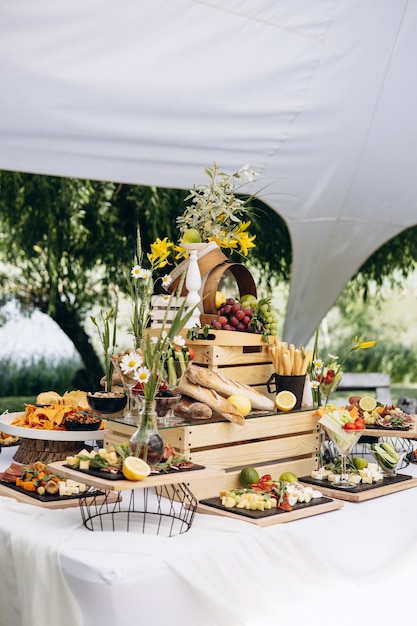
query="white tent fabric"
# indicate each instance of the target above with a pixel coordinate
(318, 96)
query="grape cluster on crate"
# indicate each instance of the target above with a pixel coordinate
(247, 315)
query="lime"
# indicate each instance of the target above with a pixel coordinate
(242, 403)
(135, 468)
(285, 401)
(248, 300)
(191, 236)
(367, 403)
(289, 477)
(359, 463)
(248, 476)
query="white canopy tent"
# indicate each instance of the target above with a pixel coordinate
(319, 96)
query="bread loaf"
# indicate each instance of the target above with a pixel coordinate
(212, 399)
(188, 408)
(226, 387)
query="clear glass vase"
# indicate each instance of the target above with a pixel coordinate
(146, 442)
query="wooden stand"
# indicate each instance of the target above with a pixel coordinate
(271, 443)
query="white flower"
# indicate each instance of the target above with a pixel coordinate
(130, 362)
(315, 384)
(178, 341)
(333, 357)
(154, 340)
(136, 271)
(142, 375)
(318, 364)
(166, 280)
(146, 274)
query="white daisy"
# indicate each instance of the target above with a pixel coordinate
(142, 375)
(166, 280)
(130, 362)
(178, 341)
(315, 384)
(136, 271)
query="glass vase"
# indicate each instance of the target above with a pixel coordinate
(146, 442)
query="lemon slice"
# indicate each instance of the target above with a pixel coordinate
(135, 468)
(285, 401)
(367, 403)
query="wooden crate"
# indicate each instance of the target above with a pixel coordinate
(271, 443)
(240, 356)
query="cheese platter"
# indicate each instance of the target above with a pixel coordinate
(362, 492)
(270, 517)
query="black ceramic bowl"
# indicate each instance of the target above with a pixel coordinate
(106, 404)
(82, 422)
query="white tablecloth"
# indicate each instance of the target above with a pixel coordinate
(359, 562)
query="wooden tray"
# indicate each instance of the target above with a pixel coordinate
(274, 516)
(62, 502)
(59, 468)
(400, 482)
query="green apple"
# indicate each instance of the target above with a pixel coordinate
(191, 236)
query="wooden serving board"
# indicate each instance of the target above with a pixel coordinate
(275, 516)
(361, 493)
(58, 503)
(59, 468)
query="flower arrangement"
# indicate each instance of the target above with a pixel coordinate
(216, 212)
(325, 375)
(141, 283)
(108, 341)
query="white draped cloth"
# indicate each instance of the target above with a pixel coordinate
(355, 563)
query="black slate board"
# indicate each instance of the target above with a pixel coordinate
(385, 482)
(120, 476)
(216, 504)
(48, 497)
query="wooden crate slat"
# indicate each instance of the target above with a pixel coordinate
(249, 453)
(220, 433)
(222, 356)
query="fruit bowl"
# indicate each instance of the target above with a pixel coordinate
(106, 403)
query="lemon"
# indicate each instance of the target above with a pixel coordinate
(248, 476)
(285, 401)
(135, 468)
(359, 463)
(289, 477)
(220, 299)
(367, 403)
(191, 236)
(242, 403)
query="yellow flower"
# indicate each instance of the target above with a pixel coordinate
(366, 344)
(160, 251)
(245, 243)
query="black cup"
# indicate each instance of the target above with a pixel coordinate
(287, 383)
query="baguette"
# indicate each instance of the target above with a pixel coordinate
(212, 399)
(188, 408)
(226, 387)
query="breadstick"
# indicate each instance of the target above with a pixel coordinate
(286, 363)
(306, 361)
(298, 363)
(291, 353)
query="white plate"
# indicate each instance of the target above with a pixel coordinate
(47, 435)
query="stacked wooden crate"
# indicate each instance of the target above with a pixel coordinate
(272, 443)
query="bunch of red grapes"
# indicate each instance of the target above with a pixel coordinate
(233, 316)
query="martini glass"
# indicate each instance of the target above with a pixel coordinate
(344, 442)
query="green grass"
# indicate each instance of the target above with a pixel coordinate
(16, 403)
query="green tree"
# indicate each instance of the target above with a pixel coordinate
(66, 243)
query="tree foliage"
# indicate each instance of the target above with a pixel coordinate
(67, 245)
